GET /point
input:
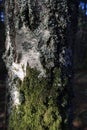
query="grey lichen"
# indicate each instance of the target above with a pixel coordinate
(37, 37)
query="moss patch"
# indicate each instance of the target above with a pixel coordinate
(39, 108)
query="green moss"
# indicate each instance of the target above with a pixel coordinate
(39, 109)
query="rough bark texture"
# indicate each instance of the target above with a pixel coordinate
(39, 53)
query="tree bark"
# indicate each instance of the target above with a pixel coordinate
(39, 53)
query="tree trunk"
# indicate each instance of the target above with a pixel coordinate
(39, 61)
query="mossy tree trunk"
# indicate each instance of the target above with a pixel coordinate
(40, 33)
